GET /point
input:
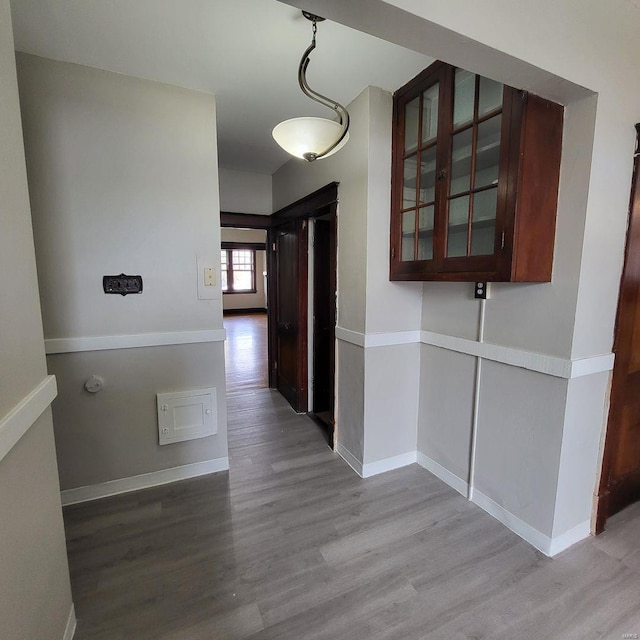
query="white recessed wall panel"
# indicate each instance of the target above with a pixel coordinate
(519, 439)
(391, 401)
(446, 408)
(350, 401)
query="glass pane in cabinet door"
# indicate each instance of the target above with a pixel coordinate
(428, 176)
(411, 120)
(490, 97)
(408, 235)
(488, 152)
(425, 233)
(430, 114)
(483, 222)
(409, 183)
(461, 162)
(463, 97)
(458, 227)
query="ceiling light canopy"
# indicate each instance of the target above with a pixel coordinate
(313, 138)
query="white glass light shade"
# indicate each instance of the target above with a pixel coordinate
(308, 135)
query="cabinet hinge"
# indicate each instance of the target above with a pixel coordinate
(273, 247)
(393, 252)
(502, 241)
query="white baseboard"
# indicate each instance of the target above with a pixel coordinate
(549, 546)
(569, 538)
(143, 481)
(388, 464)
(349, 458)
(534, 537)
(70, 629)
(460, 485)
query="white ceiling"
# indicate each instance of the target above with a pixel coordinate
(246, 52)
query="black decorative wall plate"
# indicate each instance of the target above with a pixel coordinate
(122, 284)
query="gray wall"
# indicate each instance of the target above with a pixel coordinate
(123, 178)
(35, 595)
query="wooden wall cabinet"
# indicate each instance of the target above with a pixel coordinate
(475, 176)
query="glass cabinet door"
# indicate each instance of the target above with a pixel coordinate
(475, 175)
(474, 165)
(419, 175)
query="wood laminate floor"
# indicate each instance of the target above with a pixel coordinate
(245, 352)
(291, 545)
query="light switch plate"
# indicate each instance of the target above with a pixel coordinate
(207, 291)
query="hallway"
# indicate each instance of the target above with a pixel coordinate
(245, 352)
(291, 545)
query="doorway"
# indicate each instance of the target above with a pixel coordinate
(323, 313)
(620, 478)
(243, 276)
(302, 305)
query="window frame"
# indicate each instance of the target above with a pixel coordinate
(229, 248)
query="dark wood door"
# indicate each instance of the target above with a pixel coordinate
(620, 481)
(290, 312)
(324, 320)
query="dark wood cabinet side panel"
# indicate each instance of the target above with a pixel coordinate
(538, 181)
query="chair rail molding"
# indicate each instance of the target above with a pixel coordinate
(20, 419)
(101, 343)
(542, 363)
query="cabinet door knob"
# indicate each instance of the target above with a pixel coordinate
(442, 174)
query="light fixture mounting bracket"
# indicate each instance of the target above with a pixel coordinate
(312, 16)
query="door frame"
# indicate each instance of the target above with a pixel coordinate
(311, 206)
(616, 493)
(332, 302)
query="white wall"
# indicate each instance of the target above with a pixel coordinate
(123, 178)
(257, 300)
(35, 594)
(245, 192)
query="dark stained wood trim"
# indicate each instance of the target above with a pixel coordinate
(244, 220)
(272, 301)
(241, 312)
(253, 246)
(303, 319)
(615, 493)
(308, 206)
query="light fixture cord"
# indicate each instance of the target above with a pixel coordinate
(343, 114)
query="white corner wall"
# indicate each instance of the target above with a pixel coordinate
(35, 593)
(123, 178)
(553, 339)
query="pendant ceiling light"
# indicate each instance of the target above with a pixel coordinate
(313, 138)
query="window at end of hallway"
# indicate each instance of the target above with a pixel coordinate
(238, 270)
